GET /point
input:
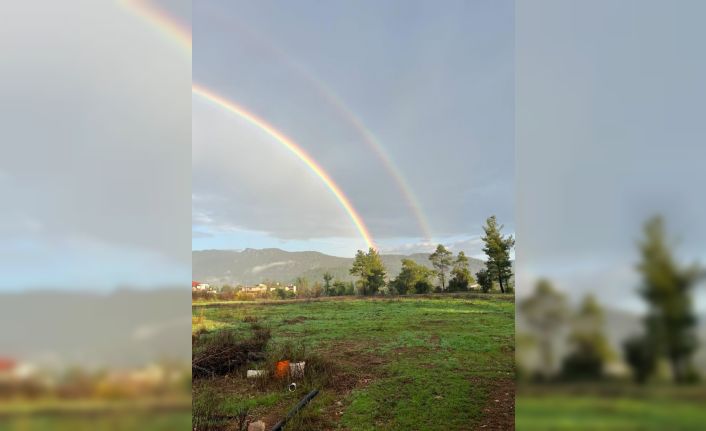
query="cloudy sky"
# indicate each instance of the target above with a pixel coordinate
(96, 160)
(610, 131)
(431, 86)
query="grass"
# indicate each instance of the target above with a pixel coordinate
(679, 409)
(409, 363)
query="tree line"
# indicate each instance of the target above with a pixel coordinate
(452, 273)
(447, 273)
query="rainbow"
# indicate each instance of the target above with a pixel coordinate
(295, 149)
(182, 35)
(352, 119)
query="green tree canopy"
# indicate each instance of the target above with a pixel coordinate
(498, 248)
(484, 280)
(370, 271)
(411, 275)
(441, 259)
(461, 276)
(327, 283)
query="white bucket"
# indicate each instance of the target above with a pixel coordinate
(253, 374)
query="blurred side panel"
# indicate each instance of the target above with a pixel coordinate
(611, 223)
(95, 173)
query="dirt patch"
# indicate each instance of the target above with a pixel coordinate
(499, 410)
(411, 351)
(357, 367)
(435, 340)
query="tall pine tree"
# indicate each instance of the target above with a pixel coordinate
(441, 259)
(497, 248)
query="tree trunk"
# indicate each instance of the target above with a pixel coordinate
(500, 280)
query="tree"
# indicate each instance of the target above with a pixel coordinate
(317, 290)
(302, 286)
(589, 347)
(410, 276)
(327, 283)
(370, 271)
(339, 288)
(545, 313)
(350, 289)
(497, 248)
(422, 286)
(441, 259)
(484, 280)
(666, 287)
(461, 276)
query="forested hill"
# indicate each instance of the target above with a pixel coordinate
(252, 266)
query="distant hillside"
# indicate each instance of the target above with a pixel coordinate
(250, 266)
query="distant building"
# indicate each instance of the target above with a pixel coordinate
(198, 286)
(11, 370)
(255, 289)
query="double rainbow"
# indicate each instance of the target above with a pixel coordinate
(182, 35)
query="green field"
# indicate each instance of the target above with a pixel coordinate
(676, 409)
(398, 364)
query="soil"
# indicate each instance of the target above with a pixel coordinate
(499, 410)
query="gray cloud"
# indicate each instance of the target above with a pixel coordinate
(436, 89)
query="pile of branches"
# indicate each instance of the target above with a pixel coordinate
(224, 352)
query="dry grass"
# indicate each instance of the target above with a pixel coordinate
(222, 352)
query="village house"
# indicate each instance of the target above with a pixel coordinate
(260, 288)
(197, 286)
(11, 370)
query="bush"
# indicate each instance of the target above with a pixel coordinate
(422, 287)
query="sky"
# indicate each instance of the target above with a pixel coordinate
(96, 149)
(609, 133)
(432, 86)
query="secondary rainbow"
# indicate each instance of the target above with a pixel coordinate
(175, 30)
(295, 149)
(335, 101)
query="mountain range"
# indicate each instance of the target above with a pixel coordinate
(252, 266)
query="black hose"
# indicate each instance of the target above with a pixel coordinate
(304, 401)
